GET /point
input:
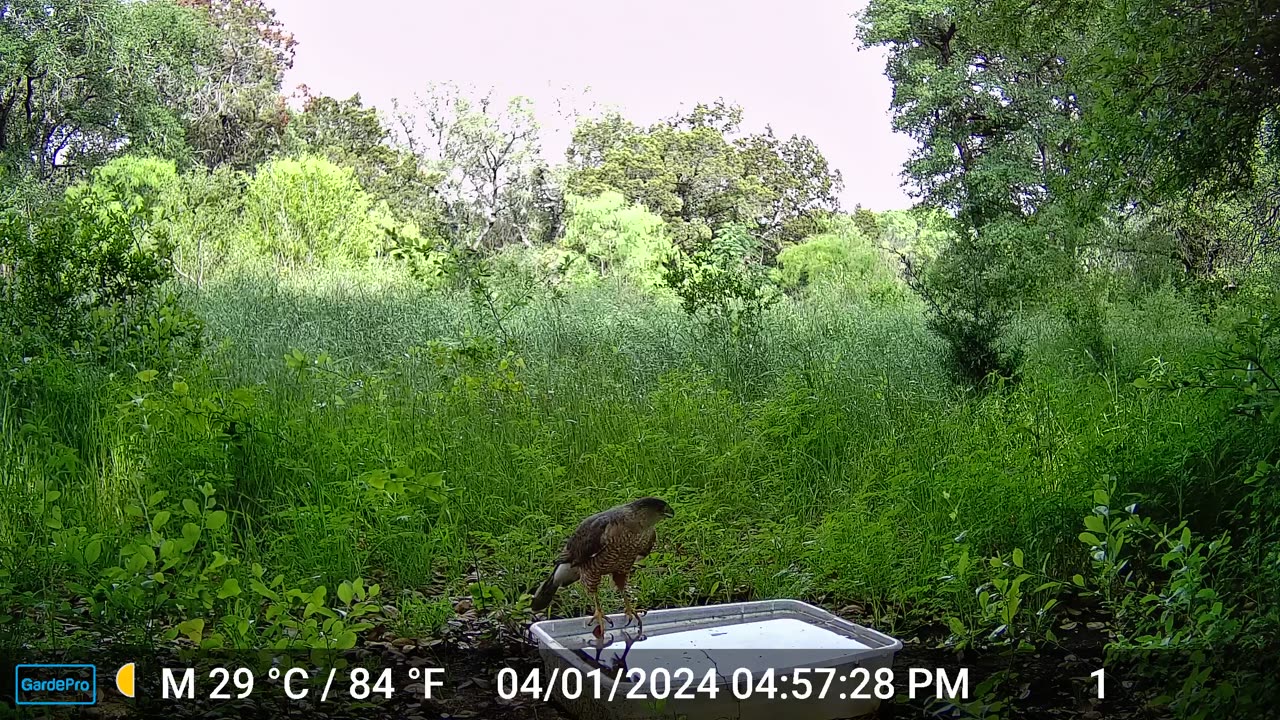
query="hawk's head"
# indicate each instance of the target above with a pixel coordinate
(655, 508)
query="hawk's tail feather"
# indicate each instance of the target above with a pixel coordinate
(564, 574)
(546, 592)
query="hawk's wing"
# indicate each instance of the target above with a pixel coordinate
(590, 538)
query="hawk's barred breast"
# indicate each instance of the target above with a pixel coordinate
(621, 552)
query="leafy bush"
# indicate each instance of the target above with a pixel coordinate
(973, 289)
(843, 257)
(721, 280)
(308, 211)
(202, 216)
(81, 276)
(144, 181)
(611, 237)
(193, 214)
(919, 233)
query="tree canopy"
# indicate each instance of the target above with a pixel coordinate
(698, 172)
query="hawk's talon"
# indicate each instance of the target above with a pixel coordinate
(633, 614)
(599, 620)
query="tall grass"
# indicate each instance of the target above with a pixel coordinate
(826, 458)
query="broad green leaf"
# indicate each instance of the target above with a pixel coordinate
(230, 588)
(215, 519)
(92, 551)
(193, 629)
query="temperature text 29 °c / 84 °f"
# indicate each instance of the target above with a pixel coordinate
(742, 684)
(297, 683)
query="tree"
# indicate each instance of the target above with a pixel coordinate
(1176, 94)
(234, 113)
(612, 237)
(841, 256)
(82, 81)
(488, 157)
(308, 210)
(350, 134)
(698, 174)
(994, 121)
(719, 280)
(800, 188)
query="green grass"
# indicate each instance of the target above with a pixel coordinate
(827, 459)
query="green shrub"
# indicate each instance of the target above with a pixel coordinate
(140, 180)
(307, 211)
(607, 236)
(842, 257)
(721, 280)
(80, 276)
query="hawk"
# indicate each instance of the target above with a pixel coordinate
(607, 543)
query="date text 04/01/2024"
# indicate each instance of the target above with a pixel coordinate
(742, 684)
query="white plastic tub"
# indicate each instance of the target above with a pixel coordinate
(750, 639)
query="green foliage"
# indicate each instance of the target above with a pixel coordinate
(202, 219)
(1085, 306)
(1174, 98)
(495, 189)
(1176, 600)
(698, 174)
(352, 135)
(992, 127)
(130, 179)
(483, 389)
(920, 234)
(1244, 367)
(972, 290)
(80, 277)
(232, 110)
(608, 236)
(1014, 602)
(308, 211)
(93, 75)
(844, 258)
(721, 281)
(194, 214)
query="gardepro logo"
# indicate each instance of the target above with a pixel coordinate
(50, 684)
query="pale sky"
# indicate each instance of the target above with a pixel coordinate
(797, 69)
